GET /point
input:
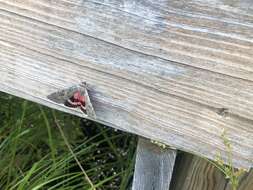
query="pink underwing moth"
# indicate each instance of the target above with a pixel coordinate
(76, 97)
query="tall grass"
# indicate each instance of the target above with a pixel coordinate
(45, 149)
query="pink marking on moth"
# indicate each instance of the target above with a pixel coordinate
(75, 97)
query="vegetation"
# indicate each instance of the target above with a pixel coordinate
(44, 149)
(231, 174)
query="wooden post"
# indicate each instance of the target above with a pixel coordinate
(154, 166)
(195, 173)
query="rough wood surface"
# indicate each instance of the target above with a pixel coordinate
(50, 45)
(153, 167)
(195, 173)
(246, 182)
(214, 35)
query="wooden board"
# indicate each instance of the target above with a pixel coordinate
(154, 166)
(195, 173)
(136, 85)
(246, 182)
(214, 35)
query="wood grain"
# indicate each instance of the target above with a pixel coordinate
(202, 86)
(154, 166)
(44, 49)
(194, 173)
(215, 35)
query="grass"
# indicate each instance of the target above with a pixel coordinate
(231, 174)
(44, 149)
(228, 170)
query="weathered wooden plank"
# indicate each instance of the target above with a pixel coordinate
(197, 85)
(162, 100)
(154, 166)
(214, 35)
(194, 173)
(186, 82)
(125, 105)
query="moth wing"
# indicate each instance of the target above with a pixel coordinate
(89, 108)
(62, 96)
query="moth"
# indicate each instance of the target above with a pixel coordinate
(76, 97)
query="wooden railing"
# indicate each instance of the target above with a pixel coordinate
(178, 72)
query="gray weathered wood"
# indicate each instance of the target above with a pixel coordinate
(204, 36)
(50, 45)
(215, 35)
(195, 173)
(154, 166)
